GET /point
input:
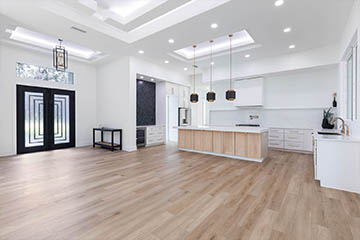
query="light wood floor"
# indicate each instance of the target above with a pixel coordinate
(160, 193)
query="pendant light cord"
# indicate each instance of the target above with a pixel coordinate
(211, 64)
(230, 61)
(194, 68)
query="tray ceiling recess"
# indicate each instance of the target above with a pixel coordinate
(221, 44)
(26, 36)
(130, 20)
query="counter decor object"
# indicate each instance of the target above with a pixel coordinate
(334, 103)
(327, 116)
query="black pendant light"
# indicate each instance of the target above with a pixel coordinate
(194, 97)
(60, 57)
(230, 94)
(211, 96)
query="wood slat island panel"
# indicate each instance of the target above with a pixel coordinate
(241, 144)
(229, 143)
(185, 139)
(218, 142)
(250, 145)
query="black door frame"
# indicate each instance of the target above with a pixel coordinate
(48, 118)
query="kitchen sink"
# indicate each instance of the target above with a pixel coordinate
(330, 133)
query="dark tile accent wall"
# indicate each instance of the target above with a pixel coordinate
(145, 103)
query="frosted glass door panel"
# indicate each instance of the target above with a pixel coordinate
(34, 119)
(61, 119)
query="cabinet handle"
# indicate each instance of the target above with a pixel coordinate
(292, 138)
(290, 145)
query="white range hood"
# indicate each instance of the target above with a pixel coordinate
(249, 92)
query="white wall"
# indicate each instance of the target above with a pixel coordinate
(305, 89)
(85, 87)
(292, 99)
(160, 72)
(116, 88)
(115, 107)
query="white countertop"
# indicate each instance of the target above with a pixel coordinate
(335, 138)
(227, 129)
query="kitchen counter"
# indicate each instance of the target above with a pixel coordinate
(336, 138)
(246, 143)
(227, 129)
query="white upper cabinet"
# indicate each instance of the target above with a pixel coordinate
(172, 89)
(249, 92)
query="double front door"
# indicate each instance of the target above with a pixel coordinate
(45, 119)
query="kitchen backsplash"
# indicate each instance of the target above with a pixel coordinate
(291, 118)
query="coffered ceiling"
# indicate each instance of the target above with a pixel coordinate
(143, 28)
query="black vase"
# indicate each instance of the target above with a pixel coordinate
(334, 103)
(326, 125)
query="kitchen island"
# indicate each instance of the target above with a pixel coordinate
(246, 143)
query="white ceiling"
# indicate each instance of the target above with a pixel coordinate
(314, 23)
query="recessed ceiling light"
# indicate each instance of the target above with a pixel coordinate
(212, 63)
(286, 30)
(185, 69)
(141, 52)
(171, 40)
(292, 46)
(214, 25)
(166, 61)
(247, 55)
(142, 77)
(152, 79)
(278, 3)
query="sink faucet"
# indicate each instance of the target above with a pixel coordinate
(342, 127)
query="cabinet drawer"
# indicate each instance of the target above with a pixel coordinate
(159, 132)
(276, 144)
(159, 128)
(276, 136)
(150, 141)
(293, 137)
(276, 131)
(151, 129)
(294, 145)
(294, 131)
(150, 134)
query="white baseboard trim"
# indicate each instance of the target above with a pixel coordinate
(290, 150)
(7, 154)
(129, 148)
(225, 155)
(339, 188)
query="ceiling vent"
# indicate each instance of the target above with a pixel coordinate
(78, 29)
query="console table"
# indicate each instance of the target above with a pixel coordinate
(110, 145)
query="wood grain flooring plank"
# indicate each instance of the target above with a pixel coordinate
(160, 193)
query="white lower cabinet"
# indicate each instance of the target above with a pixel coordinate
(276, 143)
(291, 139)
(155, 135)
(337, 164)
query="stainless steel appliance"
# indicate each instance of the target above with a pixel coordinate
(184, 116)
(140, 136)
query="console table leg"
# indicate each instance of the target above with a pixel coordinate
(112, 141)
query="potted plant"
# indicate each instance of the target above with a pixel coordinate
(327, 116)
